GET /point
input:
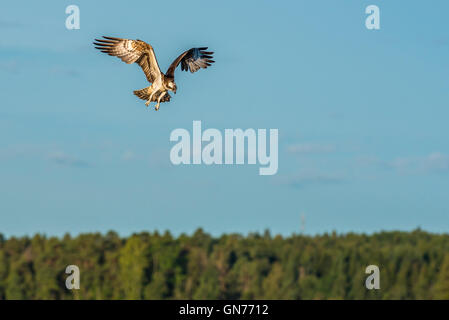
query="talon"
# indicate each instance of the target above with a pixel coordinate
(156, 107)
(147, 103)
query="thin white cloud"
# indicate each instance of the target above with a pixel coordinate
(434, 162)
(437, 161)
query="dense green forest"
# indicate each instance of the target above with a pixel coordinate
(413, 265)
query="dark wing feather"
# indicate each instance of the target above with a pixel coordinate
(193, 60)
(131, 51)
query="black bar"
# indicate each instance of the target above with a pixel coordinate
(234, 309)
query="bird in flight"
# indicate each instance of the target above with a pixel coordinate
(142, 53)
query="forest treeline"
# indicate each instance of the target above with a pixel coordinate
(413, 265)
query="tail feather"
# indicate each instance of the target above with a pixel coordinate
(142, 93)
(145, 93)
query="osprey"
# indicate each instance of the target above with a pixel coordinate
(142, 53)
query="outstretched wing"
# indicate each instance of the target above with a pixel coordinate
(192, 60)
(131, 51)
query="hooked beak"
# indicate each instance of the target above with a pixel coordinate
(175, 90)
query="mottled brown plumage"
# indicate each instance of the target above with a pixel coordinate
(142, 53)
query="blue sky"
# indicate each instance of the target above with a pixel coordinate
(362, 118)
